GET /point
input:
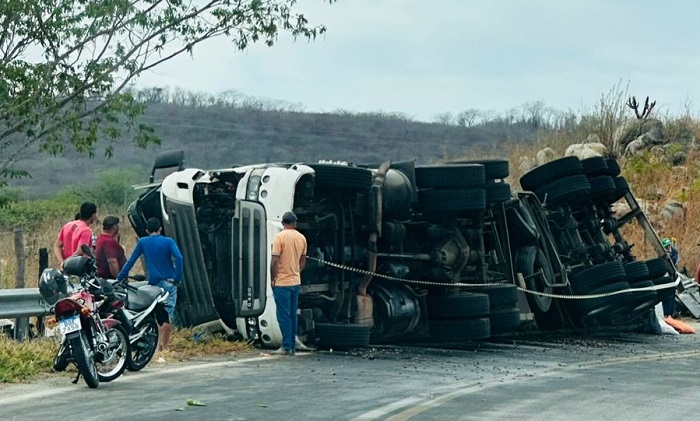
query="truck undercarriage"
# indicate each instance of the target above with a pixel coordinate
(398, 252)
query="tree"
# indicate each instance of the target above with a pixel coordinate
(66, 65)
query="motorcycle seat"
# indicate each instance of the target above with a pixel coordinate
(141, 299)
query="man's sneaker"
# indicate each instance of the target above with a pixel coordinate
(299, 345)
(282, 351)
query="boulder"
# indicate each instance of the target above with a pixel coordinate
(546, 155)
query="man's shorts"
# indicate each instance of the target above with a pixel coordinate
(172, 297)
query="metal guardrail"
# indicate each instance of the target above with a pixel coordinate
(22, 302)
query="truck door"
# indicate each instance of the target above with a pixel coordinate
(195, 304)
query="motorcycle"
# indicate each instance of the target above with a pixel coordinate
(143, 313)
(95, 343)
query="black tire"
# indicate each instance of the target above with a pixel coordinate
(658, 267)
(460, 330)
(60, 361)
(494, 169)
(452, 200)
(587, 280)
(613, 167)
(342, 176)
(460, 305)
(501, 296)
(641, 302)
(665, 292)
(603, 188)
(450, 176)
(594, 166)
(528, 261)
(497, 192)
(636, 271)
(141, 352)
(601, 307)
(574, 189)
(621, 187)
(342, 336)
(554, 170)
(118, 354)
(505, 320)
(85, 359)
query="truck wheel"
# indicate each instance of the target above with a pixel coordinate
(594, 166)
(460, 330)
(501, 296)
(603, 188)
(504, 320)
(636, 271)
(341, 336)
(494, 169)
(497, 192)
(554, 170)
(458, 306)
(573, 189)
(587, 280)
(621, 188)
(613, 167)
(600, 307)
(658, 267)
(452, 200)
(450, 176)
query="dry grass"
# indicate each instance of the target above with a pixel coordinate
(24, 361)
(20, 361)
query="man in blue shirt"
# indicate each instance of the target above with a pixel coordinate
(164, 267)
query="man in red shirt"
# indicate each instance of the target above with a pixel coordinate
(109, 253)
(75, 233)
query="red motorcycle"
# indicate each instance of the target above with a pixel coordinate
(98, 346)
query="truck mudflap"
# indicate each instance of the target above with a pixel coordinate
(249, 259)
(195, 304)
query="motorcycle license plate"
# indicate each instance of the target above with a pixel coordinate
(69, 325)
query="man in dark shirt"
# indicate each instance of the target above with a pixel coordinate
(164, 265)
(109, 254)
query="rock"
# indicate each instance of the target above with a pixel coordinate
(586, 150)
(672, 209)
(546, 155)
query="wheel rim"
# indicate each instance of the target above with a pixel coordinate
(145, 347)
(116, 354)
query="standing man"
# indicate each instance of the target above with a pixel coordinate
(109, 253)
(164, 267)
(287, 261)
(75, 233)
(669, 303)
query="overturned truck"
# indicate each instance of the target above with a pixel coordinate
(399, 252)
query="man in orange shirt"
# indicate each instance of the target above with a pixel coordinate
(75, 233)
(287, 261)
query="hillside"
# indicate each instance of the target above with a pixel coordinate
(221, 136)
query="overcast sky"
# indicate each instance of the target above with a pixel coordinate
(426, 57)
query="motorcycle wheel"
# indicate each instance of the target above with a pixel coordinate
(85, 359)
(141, 352)
(116, 355)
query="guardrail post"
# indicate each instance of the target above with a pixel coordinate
(21, 324)
(43, 264)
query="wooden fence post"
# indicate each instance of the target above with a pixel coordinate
(21, 324)
(43, 264)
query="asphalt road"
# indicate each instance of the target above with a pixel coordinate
(612, 377)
